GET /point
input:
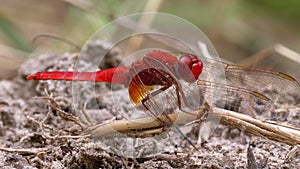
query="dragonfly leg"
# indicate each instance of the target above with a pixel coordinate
(153, 94)
(158, 91)
(166, 123)
(178, 93)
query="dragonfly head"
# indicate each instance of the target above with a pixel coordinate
(189, 67)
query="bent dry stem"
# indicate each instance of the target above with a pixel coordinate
(147, 126)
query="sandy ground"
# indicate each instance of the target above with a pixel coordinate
(35, 134)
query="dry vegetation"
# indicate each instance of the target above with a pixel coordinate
(43, 132)
(40, 129)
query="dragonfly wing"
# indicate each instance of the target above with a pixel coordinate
(235, 98)
(275, 85)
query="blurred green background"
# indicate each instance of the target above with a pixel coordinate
(237, 28)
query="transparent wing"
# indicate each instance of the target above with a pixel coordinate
(247, 90)
(276, 86)
(235, 98)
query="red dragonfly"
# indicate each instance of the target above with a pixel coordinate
(164, 69)
(157, 68)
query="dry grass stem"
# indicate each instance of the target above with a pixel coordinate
(25, 150)
(63, 114)
(144, 127)
(277, 48)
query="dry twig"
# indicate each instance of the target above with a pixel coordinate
(63, 114)
(25, 150)
(277, 48)
(150, 126)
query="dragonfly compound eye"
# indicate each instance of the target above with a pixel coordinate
(189, 67)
